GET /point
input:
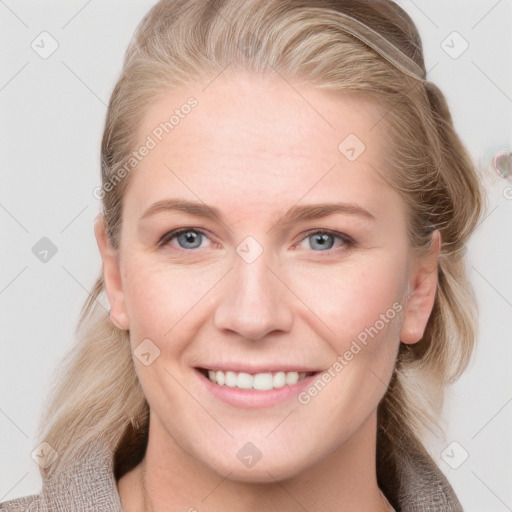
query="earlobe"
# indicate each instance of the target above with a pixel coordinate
(111, 276)
(423, 283)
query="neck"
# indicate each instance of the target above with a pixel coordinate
(169, 479)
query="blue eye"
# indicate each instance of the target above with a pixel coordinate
(189, 239)
(186, 238)
(321, 241)
(324, 241)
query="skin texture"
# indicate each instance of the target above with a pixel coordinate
(254, 147)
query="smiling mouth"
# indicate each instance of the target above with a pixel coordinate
(259, 381)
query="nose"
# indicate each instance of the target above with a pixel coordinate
(254, 301)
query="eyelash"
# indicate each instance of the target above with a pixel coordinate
(348, 241)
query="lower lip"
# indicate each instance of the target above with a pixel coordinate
(252, 398)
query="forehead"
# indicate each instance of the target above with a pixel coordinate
(262, 141)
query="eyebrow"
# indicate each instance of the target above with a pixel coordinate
(295, 214)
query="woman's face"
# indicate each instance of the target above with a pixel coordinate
(292, 258)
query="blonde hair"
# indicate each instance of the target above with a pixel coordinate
(183, 42)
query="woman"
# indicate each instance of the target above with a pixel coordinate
(285, 210)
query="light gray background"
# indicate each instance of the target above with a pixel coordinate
(52, 118)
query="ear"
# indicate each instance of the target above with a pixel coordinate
(111, 276)
(422, 293)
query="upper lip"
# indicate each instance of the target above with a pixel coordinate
(253, 369)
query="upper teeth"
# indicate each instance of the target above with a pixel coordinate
(260, 381)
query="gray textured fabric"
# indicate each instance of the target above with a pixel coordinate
(90, 486)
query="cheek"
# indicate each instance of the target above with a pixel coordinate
(356, 300)
(360, 304)
(161, 298)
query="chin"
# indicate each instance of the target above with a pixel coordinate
(261, 472)
(250, 465)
